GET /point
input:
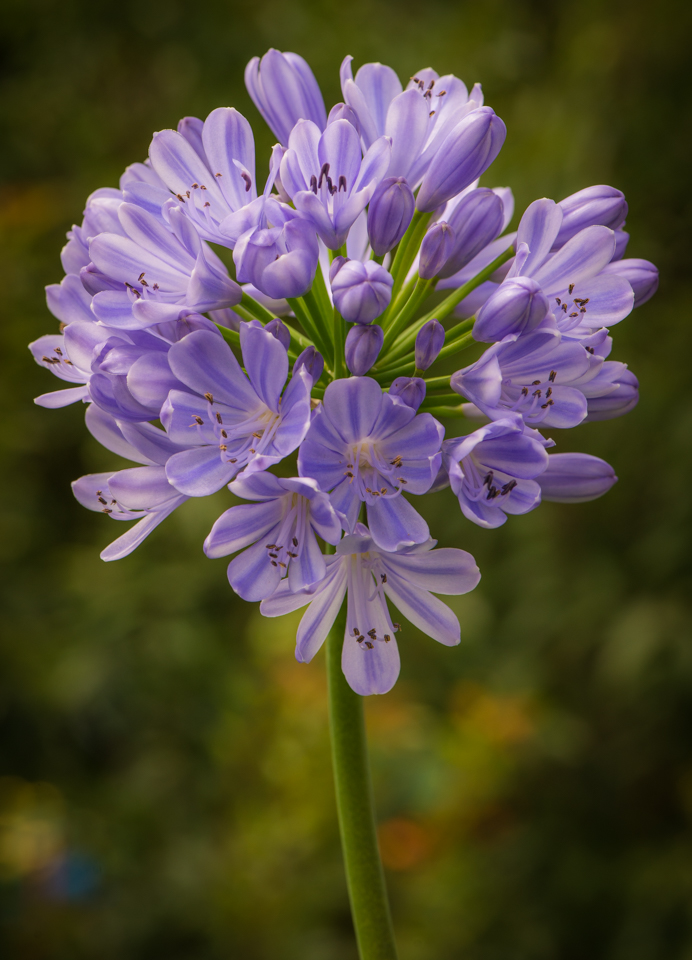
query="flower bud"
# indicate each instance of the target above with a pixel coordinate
(517, 306)
(641, 275)
(284, 90)
(429, 341)
(363, 345)
(594, 206)
(476, 220)
(612, 402)
(313, 362)
(575, 478)
(465, 153)
(435, 249)
(340, 111)
(410, 390)
(279, 261)
(361, 291)
(280, 331)
(389, 214)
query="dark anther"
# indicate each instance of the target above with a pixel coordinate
(247, 180)
(197, 420)
(372, 634)
(360, 639)
(564, 307)
(218, 174)
(180, 197)
(222, 446)
(208, 397)
(274, 563)
(195, 186)
(558, 301)
(323, 173)
(58, 351)
(524, 391)
(313, 183)
(291, 555)
(536, 393)
(368, 644)
(295, 541)
(397, 627)
(155, 287)
(356, 631)
(508, 487)
(233, 460)
(187, 194)
(549, 392)
(544, 406)
(383, 577)
(492, 493)
(570, 288)
(274, 556)
(488, 479)
(534, 383)
(103, 501)
(330, 186)
(590, 350)
(218, 417)
(442, 93)
(553, 374)
(576, 314)
(342, 183)
(401, 480)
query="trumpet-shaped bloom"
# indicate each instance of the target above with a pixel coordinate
(160, 267)
(284, 90)
(532, 376)
(575, 478)
(276, 534)
(369, 576)
(493, 471)
(328, 180)
(139, 493)
(366, 446)
(231, 420)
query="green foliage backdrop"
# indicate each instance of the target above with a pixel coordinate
(165, 789)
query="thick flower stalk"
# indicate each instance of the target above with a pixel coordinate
(370, 237)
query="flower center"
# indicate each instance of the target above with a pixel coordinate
(375, 476)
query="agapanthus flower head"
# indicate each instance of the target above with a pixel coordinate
(365, 211)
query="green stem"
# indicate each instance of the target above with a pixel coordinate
(305, 319)
(354, 801)
(407, 249)
(444, 411)
(394, 308)
(397, 325)
(443, 309)
(321, 321)
(339, 341)
(255, 309)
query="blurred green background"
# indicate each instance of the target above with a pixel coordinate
(165, 782)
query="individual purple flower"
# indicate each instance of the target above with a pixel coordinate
(231, 420)
(158, 268)
(476, 220)
(139, 493)
(366, 446)
(276, 534)
(575, 478)
(417, 119)
(328, 180)
(435, 249)
(279, 261)
(517, 306)
(583, 297)
(390, 212)
(598, 205)
(429, 341)
(493, 471)
(466, 152)
(409, 390)
(361, 291)
(363, 345)
(642, 276)
(532, 376)
(369, 576)
(210, 168)
(284, 90)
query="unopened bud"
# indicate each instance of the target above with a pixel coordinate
(575, 478)
(517, 306)
(600, 205)
(476, 220)
(429, 341)
(410, 390)
(435, 249)
(389, 214)
(280, 331)
(363, 345)
(361, 291)
(310, 359)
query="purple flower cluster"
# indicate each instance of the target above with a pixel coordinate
(366, 210)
